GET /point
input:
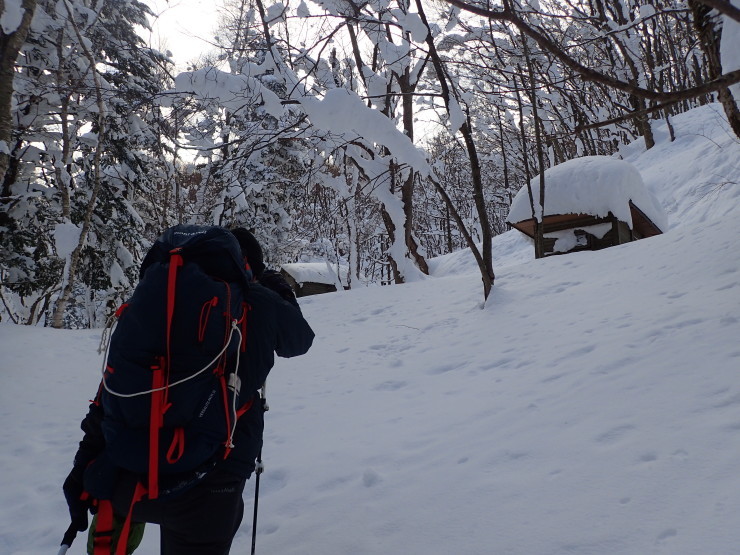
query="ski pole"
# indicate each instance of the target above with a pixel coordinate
(258, 469)
(69, 537)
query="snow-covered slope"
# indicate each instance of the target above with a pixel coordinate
(591, 407)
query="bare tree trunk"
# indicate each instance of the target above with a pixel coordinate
(468, 239)
(539, 231)
(528, 173)
(407, 88)
(74, 262)
(709, 38)
(391, 229)
(64, 184)
(503, 148)
(407, 189)
(10, 46)
(484, 258)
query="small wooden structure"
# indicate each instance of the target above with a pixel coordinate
(577, 232)
(591, 203)
(311, 278)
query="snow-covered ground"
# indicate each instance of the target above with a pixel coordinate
(591, 407)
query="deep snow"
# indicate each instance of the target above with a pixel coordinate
(591, 407)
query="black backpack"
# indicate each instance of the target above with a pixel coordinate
(170, 389)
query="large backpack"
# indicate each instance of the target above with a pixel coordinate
(170, 389)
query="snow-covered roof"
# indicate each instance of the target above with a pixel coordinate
(594, 185)
(315, 272)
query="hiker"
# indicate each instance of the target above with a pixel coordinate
(199, 510)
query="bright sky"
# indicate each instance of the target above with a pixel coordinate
(184, 27)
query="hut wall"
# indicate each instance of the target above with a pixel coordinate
(585, 240)
(308, 288)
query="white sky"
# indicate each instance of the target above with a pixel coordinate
(185, 27)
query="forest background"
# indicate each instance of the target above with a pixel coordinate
(371, 135)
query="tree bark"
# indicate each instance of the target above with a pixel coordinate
(10, 46)
(539, 228)
(407, 189)
(709, 38)
(484, 258)
(76, 256)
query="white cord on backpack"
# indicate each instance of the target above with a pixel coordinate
(234, 326)
(235, 384)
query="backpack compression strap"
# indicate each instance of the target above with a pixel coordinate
(161, 378)
(156, 420)
(139, 492)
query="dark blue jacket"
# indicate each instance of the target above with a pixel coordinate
(274, 326)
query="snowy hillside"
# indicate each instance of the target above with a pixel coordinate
(592, 407)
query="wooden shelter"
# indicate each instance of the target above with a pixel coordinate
(591, 203)
(590, 232)
(312, 278)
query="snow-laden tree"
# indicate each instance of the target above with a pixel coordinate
(249, 149)
(277, 115)
(373, 51)
(82, 155)
(631, 28)
(304, 126)
(16, 21)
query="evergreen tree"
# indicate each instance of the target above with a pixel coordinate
(84, 155)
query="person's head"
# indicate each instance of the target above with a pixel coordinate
(251, 251)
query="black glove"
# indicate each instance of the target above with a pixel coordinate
(275, 281)
(73, 489)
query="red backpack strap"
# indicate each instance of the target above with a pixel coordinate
(122, 544)
(161, 379)
(245, 407)
(176, 261)
(246, 307)
(156, 420)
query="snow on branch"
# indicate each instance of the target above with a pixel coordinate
(340, 111)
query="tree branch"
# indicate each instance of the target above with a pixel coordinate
(625, 117)
(724, 7)
(507, 15)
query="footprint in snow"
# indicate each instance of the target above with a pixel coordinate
(442, 369)
(390, 386)
(666, 535)
(648, 457)
(275, 480)
(334, 483)
(370, 478)
(615, 434)
(269, 528)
